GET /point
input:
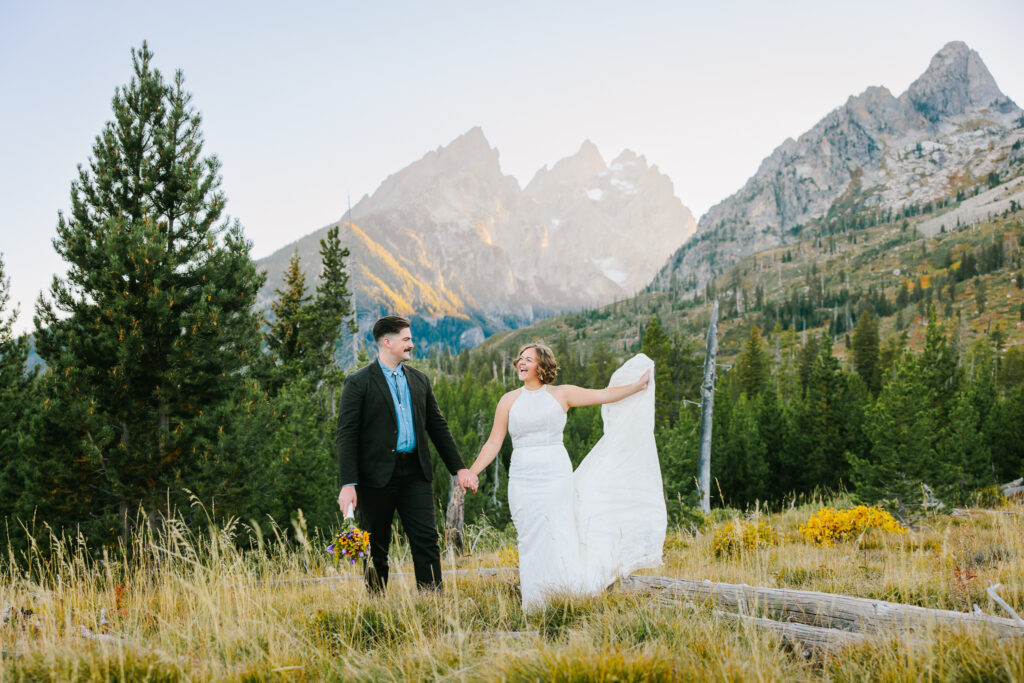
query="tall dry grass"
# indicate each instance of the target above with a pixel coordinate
(197, 606)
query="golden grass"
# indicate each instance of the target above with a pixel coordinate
(195, 607)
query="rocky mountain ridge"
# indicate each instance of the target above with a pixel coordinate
(455, 242)
(950, 129)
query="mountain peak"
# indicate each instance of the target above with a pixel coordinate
(470, 148)
(955, 82)
(588, 149)
(586, 163)
(473, 139)
(629, 158)
(467, 156)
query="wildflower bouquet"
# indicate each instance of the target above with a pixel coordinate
(351, 543)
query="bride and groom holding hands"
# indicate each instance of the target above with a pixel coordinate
(578, 531)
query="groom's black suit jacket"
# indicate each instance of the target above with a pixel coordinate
(368, 428)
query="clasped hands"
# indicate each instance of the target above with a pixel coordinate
(467, 480)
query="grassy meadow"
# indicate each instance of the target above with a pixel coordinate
(195, 607)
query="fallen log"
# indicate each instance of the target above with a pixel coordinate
(970, 513)
(1013, 488)
(806, 639)
(827, 610)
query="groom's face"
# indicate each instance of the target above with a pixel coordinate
(400, 344)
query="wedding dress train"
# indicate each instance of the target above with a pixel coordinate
(579, 531)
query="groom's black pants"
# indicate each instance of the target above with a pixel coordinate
(412, 496)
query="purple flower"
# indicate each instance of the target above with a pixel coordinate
(360, 554)
(330, 549)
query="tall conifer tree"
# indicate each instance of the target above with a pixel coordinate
(658, 347)
(153, 326)
(286, 336)
(866, 344)
(333, 315)
(753, 367)
(17, 403)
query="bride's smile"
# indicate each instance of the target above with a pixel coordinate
(527, 367)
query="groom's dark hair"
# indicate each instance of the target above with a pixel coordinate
(389, 324)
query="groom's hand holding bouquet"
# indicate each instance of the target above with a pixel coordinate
(351, 543)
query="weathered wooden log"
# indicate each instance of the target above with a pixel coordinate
(968, 513)
(1014, 488)
(101, 637)
(807, 639)
(819, 609)
(991, 590)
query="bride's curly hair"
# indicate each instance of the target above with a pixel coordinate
(547, 366)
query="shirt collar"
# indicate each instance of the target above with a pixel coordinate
(397, 370)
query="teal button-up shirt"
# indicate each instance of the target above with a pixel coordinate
(399, 385)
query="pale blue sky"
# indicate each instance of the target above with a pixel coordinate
(306, 103)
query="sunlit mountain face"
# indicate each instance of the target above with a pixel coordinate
(464, 249)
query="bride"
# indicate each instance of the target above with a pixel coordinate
(579, 531)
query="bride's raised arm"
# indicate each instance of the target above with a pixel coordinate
(490, 449)
(574, 396)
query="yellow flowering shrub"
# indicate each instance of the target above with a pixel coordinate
(991, 497)
(828, 525)
(736, 537)
(508, 556)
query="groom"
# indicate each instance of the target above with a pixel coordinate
(387, 412)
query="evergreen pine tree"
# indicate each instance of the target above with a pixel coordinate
(569, 368)
(658, 347)
(1005, 435)
(902, 430)
(911, 427)
(600, 365)
(773, 428)
(741, 463)
(153, 326)
(902, 295)
(678, 448)
(304, 339)
(753, 367)
(865, 343)
(889, 350)
(18, 402)
(1011, 370)
(286, 335)
(808, 354)
(980, 295)
(332, 314)
(826, 423)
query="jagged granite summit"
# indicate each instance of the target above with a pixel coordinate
(450, 237)
(951, 125)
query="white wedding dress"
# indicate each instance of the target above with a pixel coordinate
(579, 531)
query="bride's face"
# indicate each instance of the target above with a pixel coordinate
(526, 364)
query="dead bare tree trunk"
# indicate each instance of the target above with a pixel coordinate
(707, 406)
